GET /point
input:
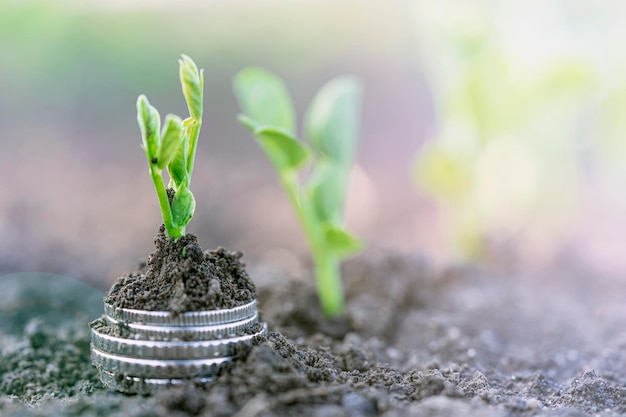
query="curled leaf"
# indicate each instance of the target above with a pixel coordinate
(150, 125)
(171, 138)
(177, 167)
(183, 206)
(192, 81)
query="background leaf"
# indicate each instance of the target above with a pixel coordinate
(264, 98)
(171, 139)
(340, 242)
(326, 188)
(332, 121)
(285, 152)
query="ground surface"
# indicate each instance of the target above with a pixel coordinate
(460, 343)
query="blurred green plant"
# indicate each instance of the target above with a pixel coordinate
(173, 147)
(503, 150)
(331, 125)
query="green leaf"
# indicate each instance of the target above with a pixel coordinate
(178, 165)
(332, 121)
(192, 81)
(149, 124)
(340, 242)
(285, 152)
(171, 137)
(326, 187)
(264, 98)
(183, 206)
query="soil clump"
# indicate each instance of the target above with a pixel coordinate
(179, 277)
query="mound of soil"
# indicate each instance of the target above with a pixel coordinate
(180, 277)
(461, 342)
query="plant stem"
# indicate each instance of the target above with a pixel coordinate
(329, 285)
(327, 274)
(194, 132)
(164, 203)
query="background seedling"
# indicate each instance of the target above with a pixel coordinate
(503, 160)
(331, 125)
(174, 148)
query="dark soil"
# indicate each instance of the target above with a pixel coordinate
(462, 342)
(180, 277)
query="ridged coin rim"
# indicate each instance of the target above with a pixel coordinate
(191, 318)
(215, 332)
(170, 350)
(152, 368)
(135, 385)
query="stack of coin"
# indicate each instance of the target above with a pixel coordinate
(138, 351)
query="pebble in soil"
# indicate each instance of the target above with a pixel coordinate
(179, 277)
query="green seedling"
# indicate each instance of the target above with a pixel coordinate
(331, 125)
(173, 147)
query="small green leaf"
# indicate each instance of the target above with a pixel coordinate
(178, 165)
(171, 137)
(340, 242)
(150, 125)
(192, 81)
(285, 152)
(264, 98)
(183, 206)
(332, 121)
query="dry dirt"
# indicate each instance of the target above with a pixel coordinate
(461, 342)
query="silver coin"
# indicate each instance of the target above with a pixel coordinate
(170, 350)
(152, 368)
(136, 385)
(158, 349)
(214, 332)
(191, 318)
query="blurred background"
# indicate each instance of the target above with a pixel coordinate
(491, 129)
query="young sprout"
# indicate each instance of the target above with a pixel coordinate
(331, 125)
(173, 147)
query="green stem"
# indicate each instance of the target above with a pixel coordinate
(194, 132)
(290, 184)
(329, 285)
(164, 203)
(327, 270)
